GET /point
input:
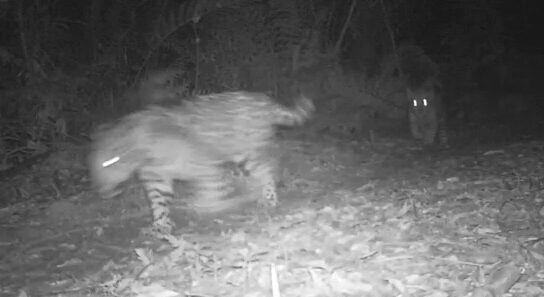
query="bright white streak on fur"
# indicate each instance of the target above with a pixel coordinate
(111, 161)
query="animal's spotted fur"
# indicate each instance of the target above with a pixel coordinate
(191, 142)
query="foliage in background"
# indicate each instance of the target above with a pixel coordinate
(80, 62)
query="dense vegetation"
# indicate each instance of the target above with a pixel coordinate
(67, 64)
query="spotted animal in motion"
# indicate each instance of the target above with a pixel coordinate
(191, 141)
(426, 115)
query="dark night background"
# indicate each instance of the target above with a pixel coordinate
(68, 65)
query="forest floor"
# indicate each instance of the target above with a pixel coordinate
(355, 219)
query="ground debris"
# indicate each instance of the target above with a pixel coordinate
(409, 224)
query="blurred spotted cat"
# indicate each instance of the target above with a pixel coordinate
(192, 141)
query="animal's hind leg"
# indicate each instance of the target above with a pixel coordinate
(212, 184)
(263, 170)
(159, 192)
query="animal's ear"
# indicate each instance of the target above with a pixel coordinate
(435, 83)
(410, 93)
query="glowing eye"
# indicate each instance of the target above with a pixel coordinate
(414, 102)
(111, 161)
(424, 102)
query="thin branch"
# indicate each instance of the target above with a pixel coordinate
(389, 28)
(197, 55)
(22, 37)
(345, 28)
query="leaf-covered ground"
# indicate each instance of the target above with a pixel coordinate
(356, 219)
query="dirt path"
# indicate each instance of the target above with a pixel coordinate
(354, 220)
